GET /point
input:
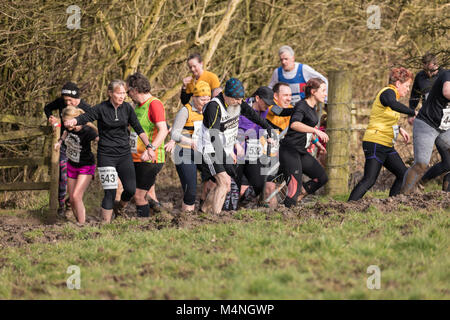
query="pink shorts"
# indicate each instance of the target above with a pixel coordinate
(73, 172)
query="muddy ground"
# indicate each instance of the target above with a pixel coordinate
(37, 227)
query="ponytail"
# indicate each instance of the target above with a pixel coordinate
(313, 83)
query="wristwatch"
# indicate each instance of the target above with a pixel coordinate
(150, 146)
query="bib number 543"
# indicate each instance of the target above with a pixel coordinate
(108, 177)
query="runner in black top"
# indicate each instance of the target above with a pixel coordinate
(294, 159)
(70, 96)
(81, 163)
(114, 153)
(423, 82)
(432, 125)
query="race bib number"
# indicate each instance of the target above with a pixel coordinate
(396, 130)
(133, 142)
(73, 150)
(230, 138)
(108, 177)
(445, 122)
(254, 149)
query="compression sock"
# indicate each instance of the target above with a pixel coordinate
(143, 211)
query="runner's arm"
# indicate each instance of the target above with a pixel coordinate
(90, 116)
(178, 124)
(415, 95)
(274, 79)
(446, 89)
(388, 99)
(211, 120)
(185, 97)
(54, 105)
(287, 112)
(251, 115)
(212, 115)
(161, 135)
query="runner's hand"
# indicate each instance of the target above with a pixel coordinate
(405, 135)
(194, 145)
(169, 146)
(186, 81)
(321, 148)
(52, 120)
(411, 120)
(70, 123)
(57, 145)
(234, 157)
(148, 155)
(322, 135)
(240, 152)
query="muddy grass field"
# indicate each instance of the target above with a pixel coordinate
(318, 250)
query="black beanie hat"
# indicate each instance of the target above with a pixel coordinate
(70, 89)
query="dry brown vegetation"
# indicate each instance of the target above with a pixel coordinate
(239, 38)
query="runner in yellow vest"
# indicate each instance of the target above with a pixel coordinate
(185, 129)
(381, 134)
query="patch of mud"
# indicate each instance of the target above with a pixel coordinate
(25, 229)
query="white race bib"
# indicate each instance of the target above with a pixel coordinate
(254, 149)
(309, 136)
(197, 128)
(396, 130)
(73, 148)
(108, 177)
(230, 139)
(445, 122)
(133, 142)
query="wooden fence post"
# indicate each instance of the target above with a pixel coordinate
(339, 131)
(54, 173)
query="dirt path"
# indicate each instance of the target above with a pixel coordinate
(33, 227)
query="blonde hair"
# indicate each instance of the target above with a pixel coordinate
(72, 112)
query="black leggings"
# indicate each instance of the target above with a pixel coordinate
(187, 171)
(293, 165)
(253, 174)
(125, 170)
(377, 156)
(440, 168)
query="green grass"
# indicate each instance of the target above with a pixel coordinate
(267, 258)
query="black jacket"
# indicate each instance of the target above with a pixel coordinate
(59, 104)
(112, 127)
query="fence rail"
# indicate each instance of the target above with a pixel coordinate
(50, 158)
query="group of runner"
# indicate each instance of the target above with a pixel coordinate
(239, 146)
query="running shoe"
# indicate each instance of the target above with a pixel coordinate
(118, 210)
(68, 205)
(61, 212)
(154, 205)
